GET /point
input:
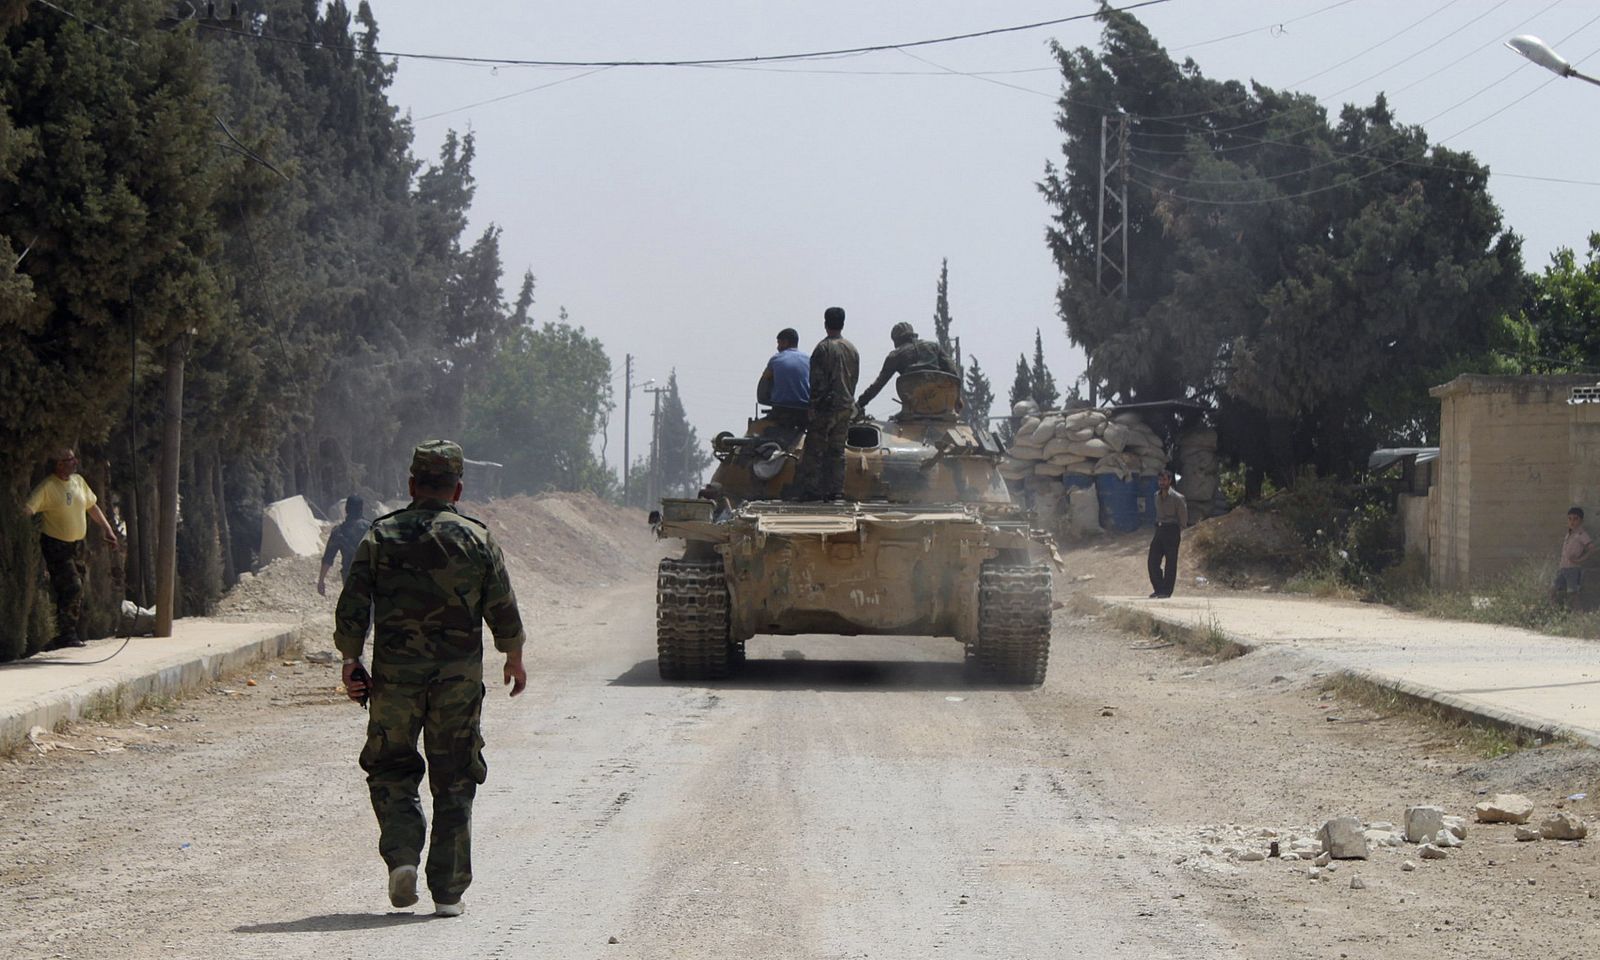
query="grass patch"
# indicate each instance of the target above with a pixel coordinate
(1474, 735)
(1322, 583)
(106, 705)
(1208, 640)
(1213, 642)
(1519, 599)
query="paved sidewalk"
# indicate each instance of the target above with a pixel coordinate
(1529, 680)
(49, 688)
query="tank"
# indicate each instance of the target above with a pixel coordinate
(926, 542)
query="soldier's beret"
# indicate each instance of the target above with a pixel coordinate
(436, 460)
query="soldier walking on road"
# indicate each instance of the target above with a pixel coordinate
(66, 505)
(835, 368)
(1172, 515)
(430, 577)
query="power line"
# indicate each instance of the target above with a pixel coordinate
(83, 20)
(1350, 59)
(1274, 25)
(1415, 160)
(508, 96)
(1292, 134)
(702, 62)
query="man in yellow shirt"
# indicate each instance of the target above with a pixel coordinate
(66, 503)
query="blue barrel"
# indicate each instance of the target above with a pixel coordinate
(1145, 484)
(1119, 503)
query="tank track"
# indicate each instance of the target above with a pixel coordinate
(1014, 605)
(692, 621)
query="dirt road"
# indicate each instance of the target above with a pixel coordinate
(842, 798)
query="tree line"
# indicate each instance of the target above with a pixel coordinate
(1306, 275)
(262, 207)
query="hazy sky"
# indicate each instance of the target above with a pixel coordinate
(684, 215)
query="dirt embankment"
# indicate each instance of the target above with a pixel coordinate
(556, 545)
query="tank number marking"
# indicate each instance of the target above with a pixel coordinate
(863, 599)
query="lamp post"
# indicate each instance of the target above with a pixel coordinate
(1539, 52)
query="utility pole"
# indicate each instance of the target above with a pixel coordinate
(627, 417)
(1111, 242)
(627, 425)
(171, 437)
(655, 440)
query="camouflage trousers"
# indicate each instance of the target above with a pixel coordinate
(64, 561)
(446, 714)
(820, 474)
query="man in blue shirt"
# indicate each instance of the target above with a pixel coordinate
(785, 385)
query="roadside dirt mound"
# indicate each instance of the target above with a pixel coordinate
(557, 546)
(1246, 546)
(568, 541)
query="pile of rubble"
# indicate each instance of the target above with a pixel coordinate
(1432, 831)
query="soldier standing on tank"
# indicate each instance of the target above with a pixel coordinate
(835, 368)
(910, 355)
(430, 577)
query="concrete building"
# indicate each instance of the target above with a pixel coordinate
(1514, 454)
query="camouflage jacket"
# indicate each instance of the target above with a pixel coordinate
(835, 368)
(918, 355)
(428, 577)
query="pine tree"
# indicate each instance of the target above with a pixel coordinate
(979, 400)
(1021, 389)
(1043, 385)
(680, 461)
(941, 308)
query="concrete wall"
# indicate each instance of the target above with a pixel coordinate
(1506, 473)
(1415, 524)
(1584, 449)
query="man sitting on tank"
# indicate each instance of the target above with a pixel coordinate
(909, 355)
(785, 385)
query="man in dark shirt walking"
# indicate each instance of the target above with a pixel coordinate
(835, 368)
(1172, 515)
(342, 541)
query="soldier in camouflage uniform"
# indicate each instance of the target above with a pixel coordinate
(835, 368)
(909, 355)
(430, 577)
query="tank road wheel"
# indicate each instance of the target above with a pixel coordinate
(1013, 623)
(692, 620)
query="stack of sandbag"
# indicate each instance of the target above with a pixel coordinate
(1197, 464)
(1139, 443)
(1046, 497)
(1082, 443)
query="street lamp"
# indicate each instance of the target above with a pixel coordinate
(1539, 52)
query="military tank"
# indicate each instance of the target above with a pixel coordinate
(926, 542)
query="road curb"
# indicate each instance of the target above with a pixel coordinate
(118, 691)
(1195, 637)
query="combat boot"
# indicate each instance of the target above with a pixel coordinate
(403, 886)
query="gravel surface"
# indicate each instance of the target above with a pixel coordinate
(844, 797)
